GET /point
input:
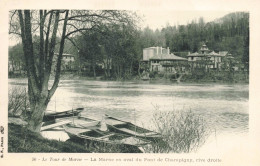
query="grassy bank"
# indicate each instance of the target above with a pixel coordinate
(22, 140)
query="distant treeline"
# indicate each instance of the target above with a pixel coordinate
(229, 33)
(118, 49)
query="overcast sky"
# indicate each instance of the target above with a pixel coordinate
(159, 18)
(156, 19)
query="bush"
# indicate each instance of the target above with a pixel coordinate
(182, 132)
(152, 74)
(18, 104)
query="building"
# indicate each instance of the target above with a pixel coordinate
(161, 60)
(206, 57)
(68, 61)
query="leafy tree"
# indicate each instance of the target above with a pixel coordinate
(49, 25)
(245, 57)
(16, 60)
(91, 49)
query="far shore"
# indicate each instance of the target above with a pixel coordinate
(155, 80)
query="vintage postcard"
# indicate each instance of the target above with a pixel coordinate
(129, 83)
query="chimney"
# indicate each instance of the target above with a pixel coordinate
(157, 48)
(168, 50)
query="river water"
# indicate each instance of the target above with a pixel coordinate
(224, 106)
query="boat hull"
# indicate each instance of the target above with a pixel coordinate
(106, 139)
(56, 115)
(119, 126)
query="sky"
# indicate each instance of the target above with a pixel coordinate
(156, 19)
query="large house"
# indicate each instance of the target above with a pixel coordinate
(68, 61)
(205, 56)
(161, 60)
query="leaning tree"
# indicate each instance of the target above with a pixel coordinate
(53, 27)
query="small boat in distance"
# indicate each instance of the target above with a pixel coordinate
(51, 115)
(120, 126)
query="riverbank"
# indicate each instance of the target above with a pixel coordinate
(213, 77)
(20, 139)
(199, 76)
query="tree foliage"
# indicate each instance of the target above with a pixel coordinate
(52, 28)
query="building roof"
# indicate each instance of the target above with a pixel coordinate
(213, 53)
(167, 57)
(149, 48)
(204, 48)
(223, 53)
(196, 54)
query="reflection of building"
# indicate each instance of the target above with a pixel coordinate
(160, 59)
(206, 57)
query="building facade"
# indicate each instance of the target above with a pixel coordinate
(161, 60)
(204, 56)
(68, 61)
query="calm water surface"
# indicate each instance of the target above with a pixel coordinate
(224, 106)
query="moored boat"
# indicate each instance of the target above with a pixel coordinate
(50, 115)
(80, 121)
(72, 121)
(120, 126)
(105, 137)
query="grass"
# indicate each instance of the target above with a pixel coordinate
(22, 140)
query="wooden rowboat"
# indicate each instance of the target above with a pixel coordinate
(120, 126)
(80, 121)
(74, 121)
(50, 115)
(104, 137)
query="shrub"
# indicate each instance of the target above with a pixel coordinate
(182, 132)
(152, 74)
(18, 103)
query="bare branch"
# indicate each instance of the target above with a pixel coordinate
(73, 42)
(47, 39)
(78, 30)
(58, 67)
(16, 33)
(51, 51)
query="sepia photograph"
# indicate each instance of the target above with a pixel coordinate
(106, 81)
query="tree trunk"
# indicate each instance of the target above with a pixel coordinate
(94, 69)
(13, 66)
(109, 64)
(20, 69)
(35, 121)
(139, 66)
(39, 94)
(105, 69)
